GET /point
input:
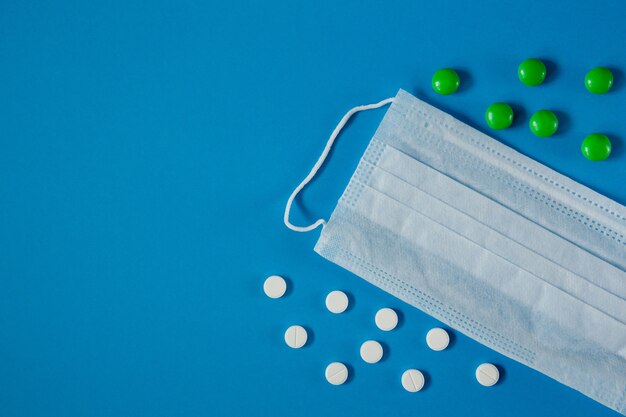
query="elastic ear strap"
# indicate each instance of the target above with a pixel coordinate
(320, 162)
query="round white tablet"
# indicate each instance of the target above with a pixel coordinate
(336, 373)
(487, 374)
(337, 302)
(386, 319)
(275, 286)
(437, 339)
(412, 380)
(296, 336)
(371, 351)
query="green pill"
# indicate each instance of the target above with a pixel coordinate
(532, 72)
(446, 81)
(543, 123)
(596, 147)
(599, 80)
(499, 116)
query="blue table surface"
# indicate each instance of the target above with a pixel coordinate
(147, 151)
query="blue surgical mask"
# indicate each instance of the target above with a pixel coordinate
(499, 247)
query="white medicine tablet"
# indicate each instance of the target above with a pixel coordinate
(275, 286)
(296, 336)
(437, 339)
(412, 380)
(487, 374)
(337, 302)
(386, 319)
(371, 351)
(336, 373)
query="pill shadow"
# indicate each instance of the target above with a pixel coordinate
(618, 79)
(452, 337)
(552, 70)
(427, 380)
(467, 80)
(351, 373)
(617, 145)
(565, 122)
(400, 315)
(310, 337)
(502, 374)
(386, 352)
(351, 301)
(519, 115)
(289, 289)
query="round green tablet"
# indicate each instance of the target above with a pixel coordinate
(499, 116)
(599, 80)
(446, 81)
(596, 147)
(544, 123)
(532, 72)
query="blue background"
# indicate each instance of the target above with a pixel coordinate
(147, 151)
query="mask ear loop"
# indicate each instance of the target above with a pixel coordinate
(320, 162)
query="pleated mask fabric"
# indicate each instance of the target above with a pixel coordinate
(499, 247)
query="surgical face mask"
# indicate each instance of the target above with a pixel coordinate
(499, 247)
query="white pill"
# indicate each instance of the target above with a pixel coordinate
(275, 286)
(337, 302)
(412, 380)
(437, 339)
(371, 351)
(336, 373)
(386, 319)
(487, 374)
(296, 336)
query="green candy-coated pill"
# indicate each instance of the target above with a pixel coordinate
(532, 72)
(543, 123)
(596, 147)
(446, 81)
(599, 80)
(499, 116)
